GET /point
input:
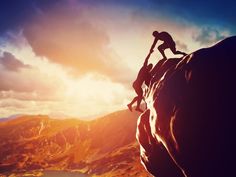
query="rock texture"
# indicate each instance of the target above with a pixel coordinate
(188, 126)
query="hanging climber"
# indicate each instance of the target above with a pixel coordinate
(144, 76)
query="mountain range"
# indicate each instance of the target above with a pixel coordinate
(106, 146)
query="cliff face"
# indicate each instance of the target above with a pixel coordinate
(187, 129)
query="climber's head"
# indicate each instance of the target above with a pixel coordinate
(149, 67)
(155, 33)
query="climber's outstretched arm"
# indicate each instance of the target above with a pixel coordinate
(150, 52)
(153, 45)
(146, 59)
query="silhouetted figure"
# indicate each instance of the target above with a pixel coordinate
(143, 76)
(168, 42)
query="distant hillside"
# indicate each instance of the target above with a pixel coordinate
(102, 147)
(3, 119)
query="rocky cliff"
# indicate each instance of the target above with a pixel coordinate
(188, 126)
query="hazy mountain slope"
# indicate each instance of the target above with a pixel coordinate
(102, 147)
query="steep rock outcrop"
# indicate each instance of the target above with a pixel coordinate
(188, 126)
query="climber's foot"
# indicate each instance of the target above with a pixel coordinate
(130, 107)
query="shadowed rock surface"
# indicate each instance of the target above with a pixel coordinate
(188, 127)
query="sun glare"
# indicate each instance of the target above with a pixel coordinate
(57, 90)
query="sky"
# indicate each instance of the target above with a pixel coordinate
(78, 58)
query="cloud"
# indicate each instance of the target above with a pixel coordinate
(11, 63)
(47, 88)
(181, 46)
(25, 82)
(71, 38)
(8, 103)
(210, 35)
